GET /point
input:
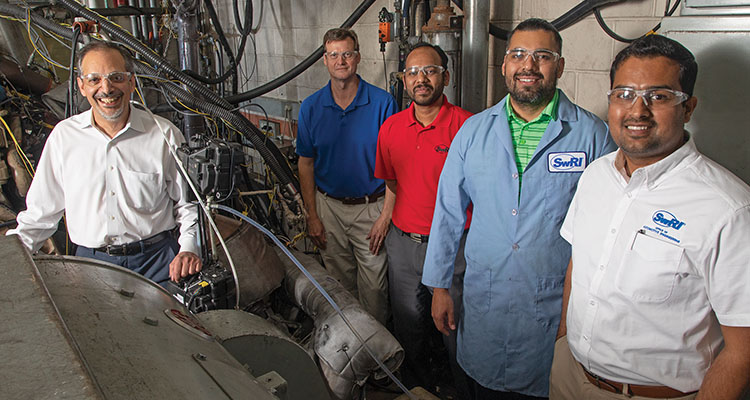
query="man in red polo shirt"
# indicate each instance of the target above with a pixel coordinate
(412, 146)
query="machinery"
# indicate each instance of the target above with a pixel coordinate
(259, 321)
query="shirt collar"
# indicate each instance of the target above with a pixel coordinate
(661, 170)
(548, 113)
(443, 118)
(135, 120)
(360, 99)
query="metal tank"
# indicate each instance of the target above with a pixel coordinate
(444, 30)
(76, 328)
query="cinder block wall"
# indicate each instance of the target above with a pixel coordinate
(292, 29)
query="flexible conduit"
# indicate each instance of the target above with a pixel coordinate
(322, 291)
(299, 68)
(270, 153)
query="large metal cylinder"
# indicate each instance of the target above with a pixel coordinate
(441, 32)
(475, 54)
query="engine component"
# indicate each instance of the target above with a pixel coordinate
(264, 348)
(210, 289)
(343, 359)
(83, 329)
(212, 167)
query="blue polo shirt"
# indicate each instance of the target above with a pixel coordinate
(344, 142)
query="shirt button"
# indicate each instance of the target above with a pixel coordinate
(515, 175)
(112, 218)
(112, 193)
(111, 168)
(515, 246)
(613, 230)
(592, 302)
(586, 338)
(601, 268)
(514, 212)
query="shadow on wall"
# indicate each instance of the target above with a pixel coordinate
(501, 14)
(720, 122)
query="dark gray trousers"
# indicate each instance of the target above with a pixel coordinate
(411, 303)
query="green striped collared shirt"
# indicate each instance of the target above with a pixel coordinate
(526, 135)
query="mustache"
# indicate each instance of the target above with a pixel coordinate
(423, 85)
(112, 93)
(627, 121)
(527, 73)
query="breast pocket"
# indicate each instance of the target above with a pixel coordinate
(649, 269)
(141, 190)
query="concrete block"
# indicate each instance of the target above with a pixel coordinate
(567, 83)
(546, 9)
(586, 47)
(592, 92)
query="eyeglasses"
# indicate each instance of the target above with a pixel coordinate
(346, 55)
(427, 70)
(95, 79)
(653, 98)
(540, 56)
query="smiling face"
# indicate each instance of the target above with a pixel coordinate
(341, 69)
(110, 101)
(528, 82)
(424, 90)
(647, 135)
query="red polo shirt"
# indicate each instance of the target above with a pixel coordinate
(414, 155)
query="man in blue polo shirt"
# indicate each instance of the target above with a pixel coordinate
(348, 210)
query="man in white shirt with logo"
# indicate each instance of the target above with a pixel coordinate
(110, 171)
(656, 301)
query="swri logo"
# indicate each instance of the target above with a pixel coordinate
(566, 162)
(667, 220)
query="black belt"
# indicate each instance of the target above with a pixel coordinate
(417, 237)
(355, 200)
(134, 247)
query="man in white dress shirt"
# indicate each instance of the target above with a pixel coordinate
(110, 171)
(656, 301)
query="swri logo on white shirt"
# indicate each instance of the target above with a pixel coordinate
(667, 219)
(572, 161)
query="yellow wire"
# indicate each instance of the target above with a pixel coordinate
(139, 96)
(28, 30)
(24, 159)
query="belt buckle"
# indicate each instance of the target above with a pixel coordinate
(415, 237)
(111, 248)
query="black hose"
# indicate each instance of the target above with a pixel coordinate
(299, 68)
(71, 106)
(222, 40)
(159, 63)
(270, 153)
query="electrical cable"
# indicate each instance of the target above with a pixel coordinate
(205, 208)
(320, 289)
(70, 107)
(299, 68)
(270, 153)
(600, 20)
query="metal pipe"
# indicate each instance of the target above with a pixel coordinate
(187, 39)
(475, 55)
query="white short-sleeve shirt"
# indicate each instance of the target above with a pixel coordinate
(659, 262)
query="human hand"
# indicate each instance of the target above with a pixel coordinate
(183, 264)
(442, 311)
(317, 232)
(377, 234)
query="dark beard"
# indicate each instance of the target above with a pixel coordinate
(535, 97)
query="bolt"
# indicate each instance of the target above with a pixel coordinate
(127, 293)
(151, 321)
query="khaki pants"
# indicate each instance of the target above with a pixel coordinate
(347, 255)
(567, 380)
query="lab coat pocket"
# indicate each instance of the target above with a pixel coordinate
(649, 269)
(477, 288)
(142, 190)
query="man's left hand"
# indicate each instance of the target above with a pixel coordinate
(185, 263)
(377, 234)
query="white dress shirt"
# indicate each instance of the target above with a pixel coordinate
(113, 191)
(659, 262)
